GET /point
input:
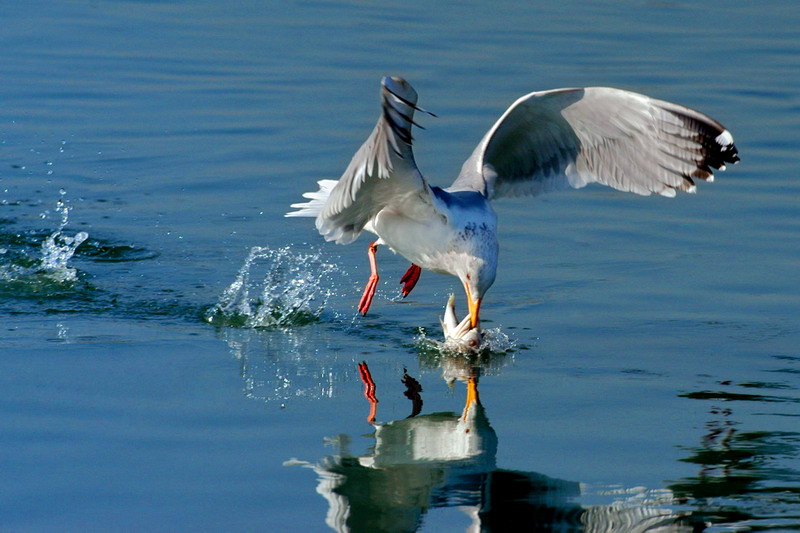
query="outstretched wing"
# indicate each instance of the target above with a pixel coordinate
(382, 172)
(572, 137)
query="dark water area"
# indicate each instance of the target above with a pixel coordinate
(175, 355)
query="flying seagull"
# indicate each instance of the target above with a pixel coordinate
(547, 140)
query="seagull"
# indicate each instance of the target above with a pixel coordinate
(546, 141)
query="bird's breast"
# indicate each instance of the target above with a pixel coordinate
(449, 242)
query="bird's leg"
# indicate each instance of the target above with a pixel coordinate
(372, 283)
(472, 394)
(369, 390)
(474, 308)
(410, 278)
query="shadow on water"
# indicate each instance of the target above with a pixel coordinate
(448, 460)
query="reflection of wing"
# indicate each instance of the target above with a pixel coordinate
(633, 519)
(382, 172)
(395, 499)
(572, 137)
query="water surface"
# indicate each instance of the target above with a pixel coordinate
(175, 355)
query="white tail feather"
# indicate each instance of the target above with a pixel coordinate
(318, 200)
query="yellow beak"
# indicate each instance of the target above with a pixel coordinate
(474, 308)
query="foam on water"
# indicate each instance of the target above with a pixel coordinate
(275, 289)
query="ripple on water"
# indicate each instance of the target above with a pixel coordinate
(37, 267)
(104, 251)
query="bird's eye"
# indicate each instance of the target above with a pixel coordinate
(473, 343)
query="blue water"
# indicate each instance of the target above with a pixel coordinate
(192, 364)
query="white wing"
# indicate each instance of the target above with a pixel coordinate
(382, 172)
(572, 137)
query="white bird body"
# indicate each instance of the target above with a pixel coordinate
(446, 236)
(548, 140)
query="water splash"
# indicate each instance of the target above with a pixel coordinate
(55, 253)
(58, 249)
(494, 341)
(292, 291)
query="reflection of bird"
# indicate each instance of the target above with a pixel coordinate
(544, 141)
(440, 460)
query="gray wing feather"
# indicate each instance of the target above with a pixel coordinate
(382, 172)
(572, 137)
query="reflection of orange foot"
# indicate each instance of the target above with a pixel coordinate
(369, 390)
(410, 278)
